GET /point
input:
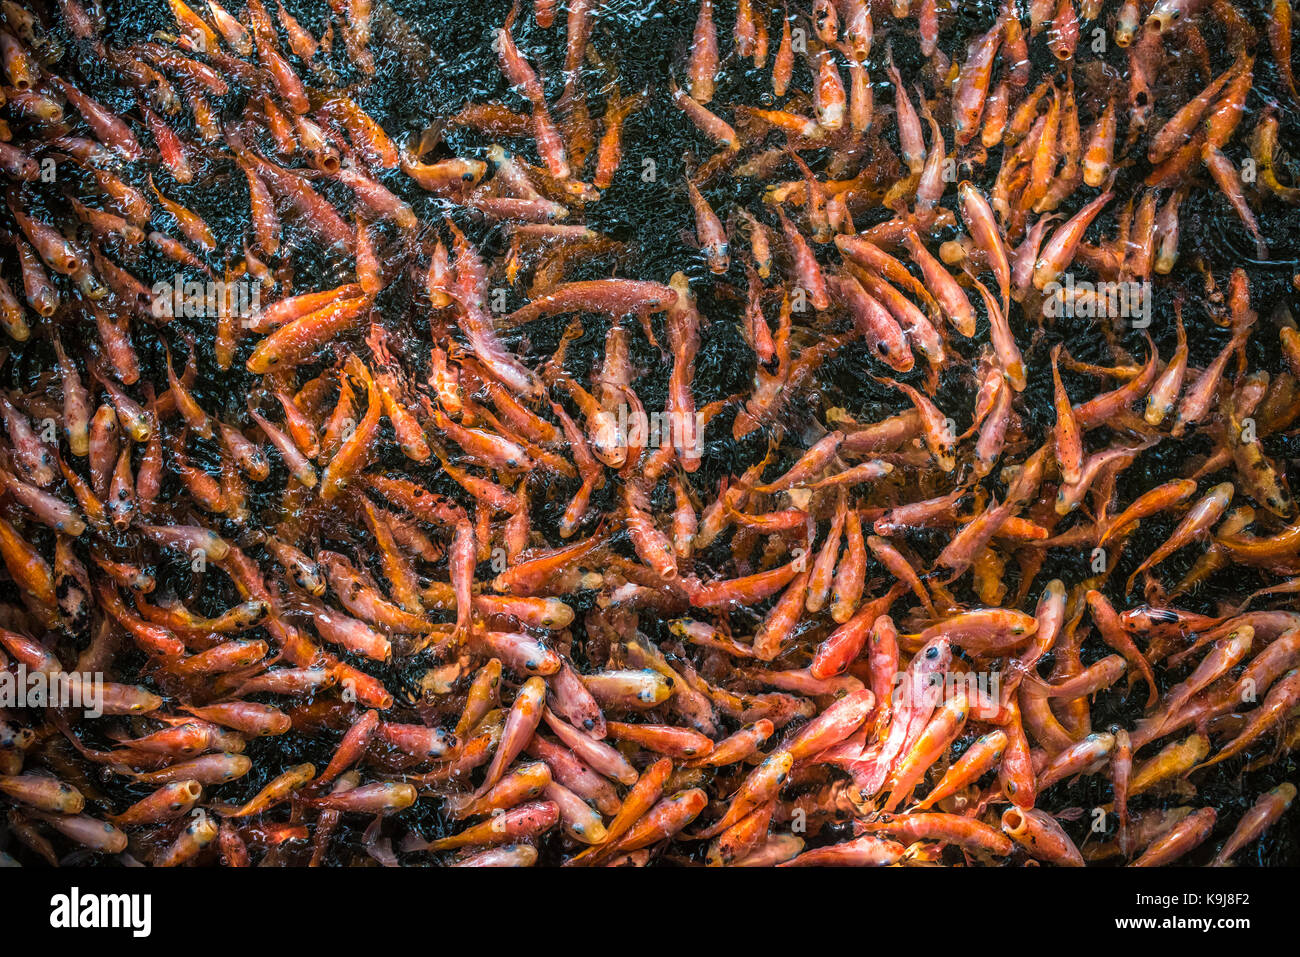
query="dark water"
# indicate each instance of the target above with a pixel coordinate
(434, 57)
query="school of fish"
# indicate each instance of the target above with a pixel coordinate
(508, 615)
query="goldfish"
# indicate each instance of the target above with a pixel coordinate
(613, 507)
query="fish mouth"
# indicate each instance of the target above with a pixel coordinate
(1161, 22)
